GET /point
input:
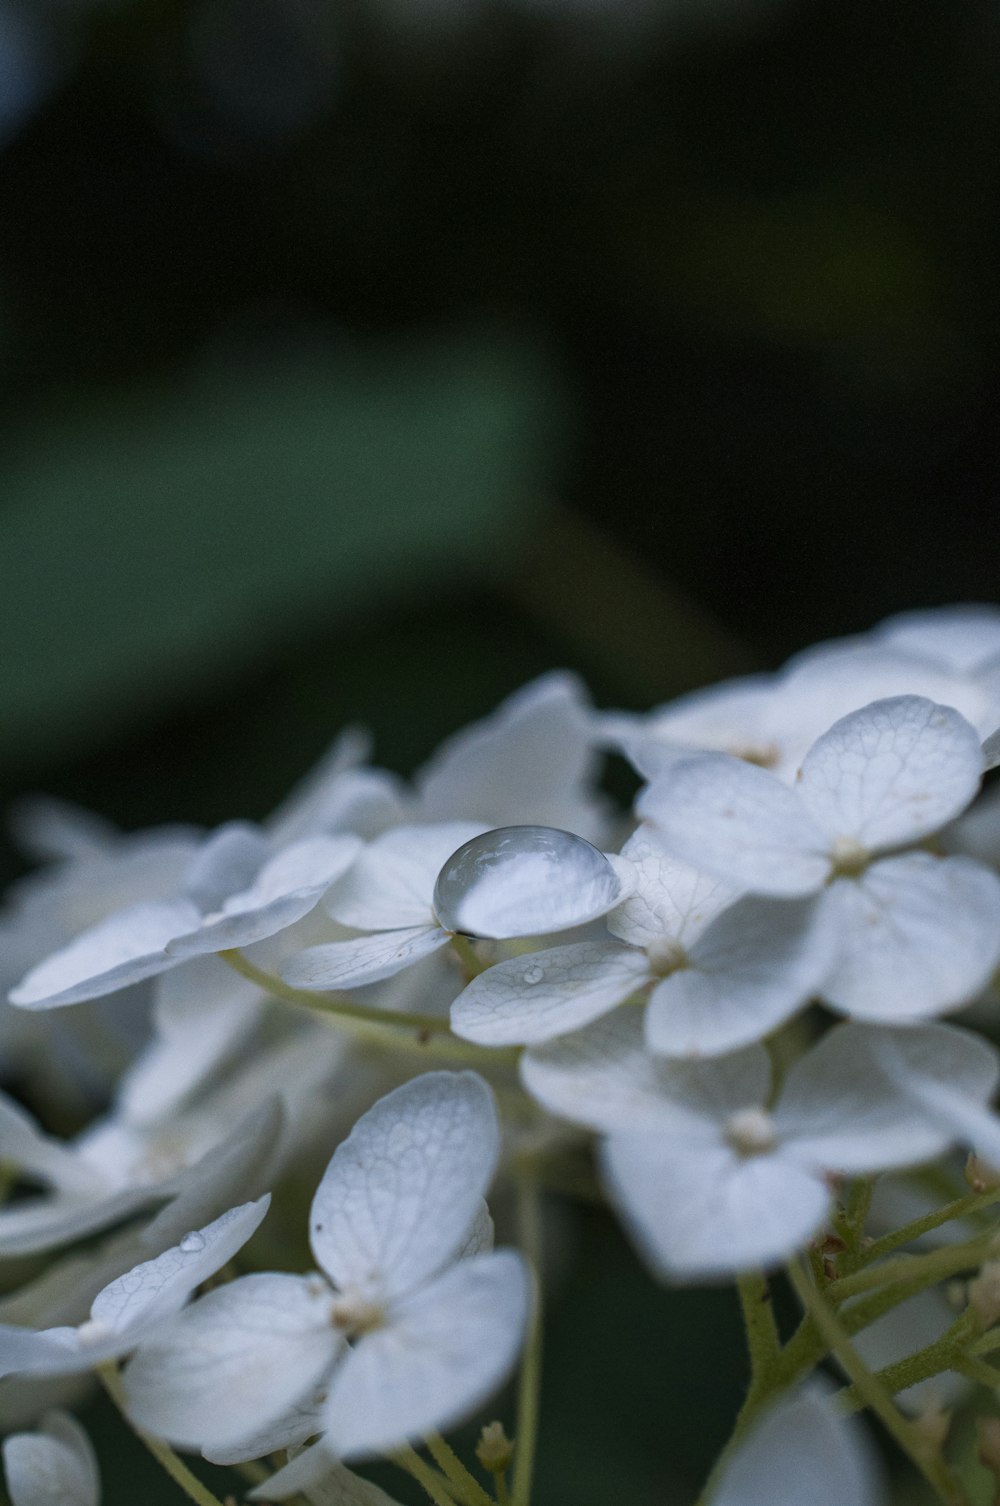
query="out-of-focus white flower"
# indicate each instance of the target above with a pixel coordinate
(134, 1304)
(802, 1453)
(719, 971)
(53, 1466)
(409, 1328)
(235, 891)
(711, 1181)
(916, 934)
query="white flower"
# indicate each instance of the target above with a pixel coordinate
(235, 891)
(53, 1466)
(801, 1453)
(414, 887)
(407, 1330)
(230, 1143)
(917, 934)
(709, 1180)
(718, 971)
(134, 1304)
(964, 639)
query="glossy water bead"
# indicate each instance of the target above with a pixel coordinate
(524, 881)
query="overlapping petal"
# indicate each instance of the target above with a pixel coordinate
(52, 1466)
(545, 994)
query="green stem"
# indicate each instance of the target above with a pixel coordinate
(933, 1359)
(911, 1270)
(435, 1485)
(161, 1452)
(529, 1386)
(976, 1370)
(960, 1207)
(466, 1485)
(761, 1329)
(427, 1034)
(502, 1493)
(469, 958)
(873, 1391)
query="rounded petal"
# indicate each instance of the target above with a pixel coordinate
(527, 881)
(546, 994)
(606, 1077)
(124, 949)
(947, 1077)
(801, 1451)
(670, 901)
(366, 959)
(918, 935)
(710, 1213)
(287, 887)
(401, 1193)
(442, 1352)
(758, 963)
(852, 1102)
(322, 1480)
(892, 772)
(740, 823)
(236, 1359)
(391, 884)
(227, 862)
(961, 638)
(55, 1466)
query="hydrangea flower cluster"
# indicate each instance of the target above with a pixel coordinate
(758, 1011)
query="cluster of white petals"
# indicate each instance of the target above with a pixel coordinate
(731, 997)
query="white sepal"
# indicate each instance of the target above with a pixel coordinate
(365, 959)
(549, 993)
(52, 1466)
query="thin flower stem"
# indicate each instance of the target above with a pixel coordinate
(502, 1493)
(463, 1481)
(436, 1486)
(946, 1353)
(977, 1370)
(466, 953)
(425, 1034)
(873, 1391)
(161, 1452)
(910, 1270)
(960, 1207)
(761, 1329)
(529, 1387)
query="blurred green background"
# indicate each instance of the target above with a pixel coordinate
(360, 360)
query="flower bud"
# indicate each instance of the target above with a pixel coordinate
(494, 1449)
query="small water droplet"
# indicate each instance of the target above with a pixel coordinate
(193, 1243)
(534, 973)
(524, 881)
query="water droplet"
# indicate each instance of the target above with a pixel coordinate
(193, 1243)
(524, 881)
(534, 973)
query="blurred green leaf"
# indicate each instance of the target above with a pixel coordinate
(159, 540)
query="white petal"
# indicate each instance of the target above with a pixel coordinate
(227, 862)
(443, 1351)
(293, 1428)
(365, 959)
(44, 1223)
(527, 881)
(801, 1453)
(918, 935)
(740, 823)
(323, 1480)
(606, 1078)
(47, 829)
(533, 760)
(239, 1357)
(24, 1148)
(948, 1077)
(123, 949)
(391, 884)
(758, 963)
(891, 773)
(203, 1013)
(709, 1212)
(961, 638)
(991, 750)
(401, 1192)
(159, 1287)
(844, 1107)
(729, 718)
(670, 901)
(55, 1466)
(546, 994)
(286, 888)
(236, 1167)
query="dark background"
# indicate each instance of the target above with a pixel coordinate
(360, 360)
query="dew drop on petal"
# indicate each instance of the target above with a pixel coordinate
(193, 1243)
(534, 973)
(524, 881)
